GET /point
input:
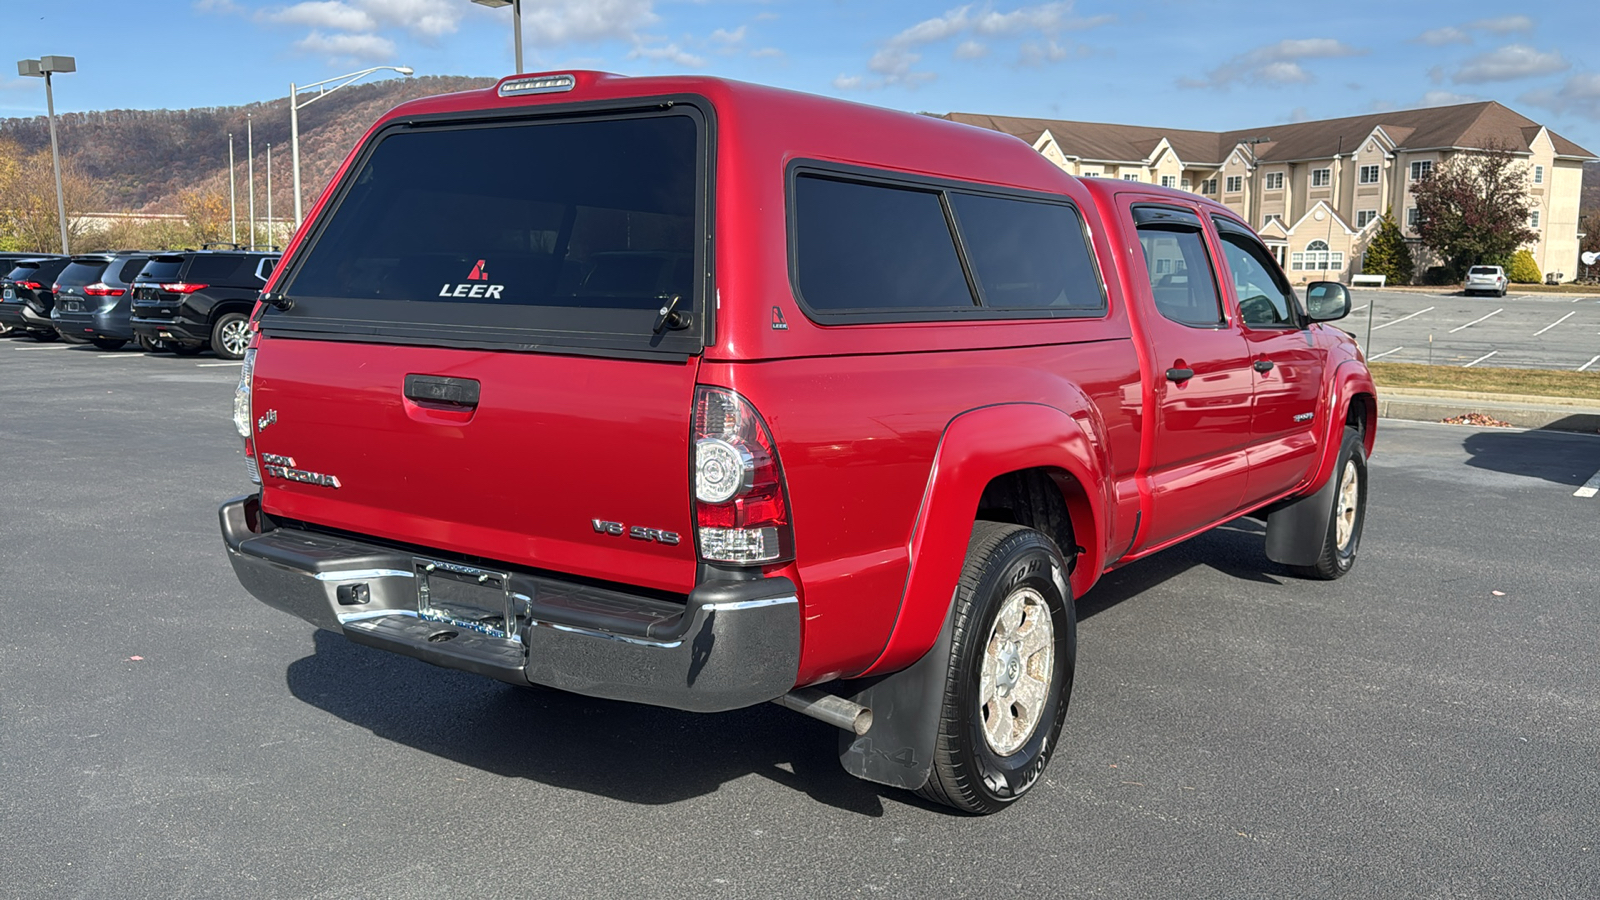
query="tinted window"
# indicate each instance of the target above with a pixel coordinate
(81, 273)
(1027, 255)
(1264, 297)
(1180, 275)
(164, 270)
(22, 273)
(213, 269)
(598, 214)
(872, 246)
(130, 269)
(1483, 270)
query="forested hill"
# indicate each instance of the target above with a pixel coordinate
(140, 160)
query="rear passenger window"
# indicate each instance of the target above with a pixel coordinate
(1028, 255)
(211, 269)
(130, 269)
(874, 247)
(1180, 272)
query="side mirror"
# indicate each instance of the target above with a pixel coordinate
(1327, 301)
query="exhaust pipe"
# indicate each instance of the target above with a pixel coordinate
(836, 711)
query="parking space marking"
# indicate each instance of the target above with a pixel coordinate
(1555, 323)
(1585, 366)
(1476, 321)
(1590, 487)
(213, 365)
(1403, 318)
(1386, 353)
(1480, 359)
(1359, 308)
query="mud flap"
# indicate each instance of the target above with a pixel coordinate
(1297, 533)
(898, 749)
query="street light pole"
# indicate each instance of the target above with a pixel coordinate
(269, 196)
(294, 117)
(44, 66)
(233, 206)
(516, 23)
(250, 173)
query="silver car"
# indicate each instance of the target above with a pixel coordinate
(1487, 279)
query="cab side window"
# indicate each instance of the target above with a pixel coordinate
(1179, 268)
(1265, 299)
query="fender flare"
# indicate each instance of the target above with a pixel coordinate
(1349, 379)
(1295, 530)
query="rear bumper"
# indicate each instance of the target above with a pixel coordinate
(84, 326)
(180, 329)
(18, 315)
(732, 644)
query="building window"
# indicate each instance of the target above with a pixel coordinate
(1316, 258)
(1534, 219)
(1185, 184)
(1364, 217)
(1369, 175)
(1092, 174)
(1538, 174)
(1130, 178)
(1421, 169)
(1413, 215)
(1209, 186)
(1169, 181)
(1235, 184)
(1270, 218)
(1321, 177)
(1274, 181)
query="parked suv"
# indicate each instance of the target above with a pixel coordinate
(1487, 280)
(199, 299)
(27, 294)
(757, 396)
(93, 298)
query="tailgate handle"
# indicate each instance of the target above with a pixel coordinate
(442, 389)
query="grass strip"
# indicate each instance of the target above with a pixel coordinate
(1529, 382)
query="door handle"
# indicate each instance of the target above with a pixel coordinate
(1180, 375)
(1263, 365)
(459, 392)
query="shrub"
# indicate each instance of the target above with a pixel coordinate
(1523, 270)
(1436, 276)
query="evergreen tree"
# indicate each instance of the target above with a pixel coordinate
(1523, 269)
(1388, 254)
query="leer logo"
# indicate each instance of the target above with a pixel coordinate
(480, 274)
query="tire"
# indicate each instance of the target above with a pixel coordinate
(1017, 571)
(150, 344)
(1349, 514)
(230, 335)
(44, 337)
(108, 343)
(1504, 289)
(187, 349)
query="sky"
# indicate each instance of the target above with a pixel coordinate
(1198, 64)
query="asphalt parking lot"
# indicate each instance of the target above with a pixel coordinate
(1448, 328)
(1426, 727)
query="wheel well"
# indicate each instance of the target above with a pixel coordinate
(1359, 412)
(222, 309)
(1047, 500)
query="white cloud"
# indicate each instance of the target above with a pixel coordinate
(1274, 64)
(1503, 25)
(427, 18)
(671, 53)
(971, 50)
(1446, 98)
(554, 22)
(1578, 95)
(767, 53)
(220, 6)
(1449, 34)
(353, 46)
(1459, 34)
(724, 36)
(1510, 62)
(323, 14)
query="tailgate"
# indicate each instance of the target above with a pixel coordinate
(553, 444)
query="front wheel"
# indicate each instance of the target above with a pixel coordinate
(230, 336)
(1343, 536)
(1013, 648)
(107, 343)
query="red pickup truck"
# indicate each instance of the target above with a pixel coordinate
(704, 394)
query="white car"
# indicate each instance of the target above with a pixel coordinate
(1490, 279)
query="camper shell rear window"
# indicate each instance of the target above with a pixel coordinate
(566, 231)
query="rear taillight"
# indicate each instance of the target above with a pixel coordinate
(101, 289)
(182, 287)
(241, 412)
(741, 504)
(30, 285)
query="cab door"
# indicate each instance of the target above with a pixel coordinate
(1286, 364)
(1196, 466)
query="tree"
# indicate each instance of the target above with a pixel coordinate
(1523, 269)
(1475, 208)
(28, 215)
(1388, 254)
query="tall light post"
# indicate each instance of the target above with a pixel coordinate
(294, 116)
(44, 67)
(250, 173)
(269, 196)
(233, 208)
(516, 22)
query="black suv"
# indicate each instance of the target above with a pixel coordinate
(200, 298)
(93, 297)
(27, 294)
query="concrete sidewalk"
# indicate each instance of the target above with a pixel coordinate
(1554, 413)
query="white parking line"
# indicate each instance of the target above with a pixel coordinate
(120, 356)
(1360, 308)
(1586, 365)
(1476, 321)
(1402, 318)
(1590, 487)
(1555, 323)
(1385, 353)
(1480, 359)
(213, 365)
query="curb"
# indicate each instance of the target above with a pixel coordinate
(1551, 413)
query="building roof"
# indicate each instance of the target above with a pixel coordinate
(1474, 125)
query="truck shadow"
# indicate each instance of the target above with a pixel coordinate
(1236, 549)
(1564, 458)
(624, 751)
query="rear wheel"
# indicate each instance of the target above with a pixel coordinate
(44, 337)
(108, 343)
(150, 344)
(187, 349)
(1343, 537)
(230, 335)
(1012, 654)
